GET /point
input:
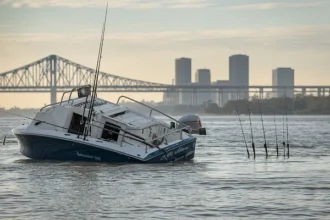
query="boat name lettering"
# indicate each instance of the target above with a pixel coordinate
(177, 151)
(88, 156)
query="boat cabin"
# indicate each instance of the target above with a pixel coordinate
(109, 121)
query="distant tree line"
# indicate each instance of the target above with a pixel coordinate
(300, 104)
(297, 105)
(19, 111)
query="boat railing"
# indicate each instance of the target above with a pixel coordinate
(127, 134)
(124, 134)
(68, 100)
(74, 89)
(57, 103)
(149, 126)
(151, 109)
(127, 131)
(167, 134)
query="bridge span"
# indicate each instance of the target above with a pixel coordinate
(56, 74)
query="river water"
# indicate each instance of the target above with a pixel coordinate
(220, 183)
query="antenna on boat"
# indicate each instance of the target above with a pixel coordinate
(263, 128)
(275, 134)
(249, 111)
(91, 106)
(239, 118)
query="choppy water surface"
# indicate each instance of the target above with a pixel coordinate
(221, 183)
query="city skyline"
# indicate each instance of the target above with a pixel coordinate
(233, 70)
(239, 75)
(143, 38)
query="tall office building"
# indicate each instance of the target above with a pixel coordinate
(239, 74)
(183, 77)
(221, 97)
(283, 77)
(202, 77)
(182, 71)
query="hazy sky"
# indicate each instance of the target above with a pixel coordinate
(143, 37)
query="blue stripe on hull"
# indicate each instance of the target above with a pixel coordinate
(46, 148)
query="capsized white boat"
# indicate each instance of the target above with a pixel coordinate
(115, 134)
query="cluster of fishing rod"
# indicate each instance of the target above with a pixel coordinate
(284, 144)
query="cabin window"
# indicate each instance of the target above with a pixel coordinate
(110, 131)
(75, 126)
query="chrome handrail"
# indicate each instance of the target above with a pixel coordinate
(74, 89)
(127, 130)
(49, 105)
(66, 93)
(167, 134)
(71, 91)
(53, 104)
(152, 109)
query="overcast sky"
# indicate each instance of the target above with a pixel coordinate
(143, 37)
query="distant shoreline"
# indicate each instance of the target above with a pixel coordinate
(299, 105)
(32, 112)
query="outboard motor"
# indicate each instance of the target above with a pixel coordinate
(194, 122)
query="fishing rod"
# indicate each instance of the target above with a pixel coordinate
(249, 111)
(263, 128)
(239, 118)
(283, 142)
(275, 134)
(96, 77)
(287, 128)
(287, 135)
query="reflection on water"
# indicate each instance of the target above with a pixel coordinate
(221, 182)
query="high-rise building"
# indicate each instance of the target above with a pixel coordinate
(182, 71)
(183, 77)
(221, 97)
(283, 77)
(203, 76)
(239, 74)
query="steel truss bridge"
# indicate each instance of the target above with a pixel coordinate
(56, 74)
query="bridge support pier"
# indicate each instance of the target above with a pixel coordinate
(194, 97)
(261, 93)
(53, 87)
(303, 91)
(53, 97)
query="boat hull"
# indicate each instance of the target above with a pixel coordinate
(48, 148)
